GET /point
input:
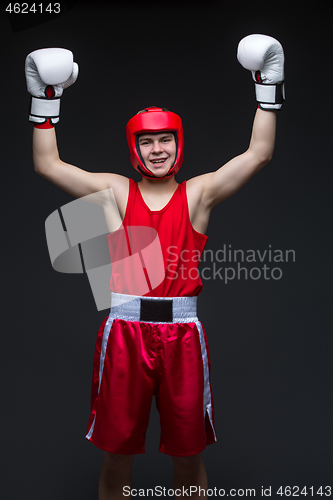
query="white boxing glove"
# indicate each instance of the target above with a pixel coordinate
(263, 55)
(48, 72)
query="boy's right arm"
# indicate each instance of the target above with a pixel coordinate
(48, 73)
(71, 179)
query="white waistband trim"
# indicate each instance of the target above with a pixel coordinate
(127, 307)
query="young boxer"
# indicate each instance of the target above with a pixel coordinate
(152, 343)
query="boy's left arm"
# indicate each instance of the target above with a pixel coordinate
(227, 180)
(264, 57)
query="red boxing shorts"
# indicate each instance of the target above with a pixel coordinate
(151, 346)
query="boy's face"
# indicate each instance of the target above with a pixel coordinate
(158, 152)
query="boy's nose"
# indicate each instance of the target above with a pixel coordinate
(157, 146)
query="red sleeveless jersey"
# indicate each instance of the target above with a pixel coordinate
(156, 253)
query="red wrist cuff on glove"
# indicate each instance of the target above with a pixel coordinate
(47, 124)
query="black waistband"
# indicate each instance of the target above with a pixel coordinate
(156, 310)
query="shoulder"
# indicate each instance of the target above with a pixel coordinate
(120, 185)
(117, 181)
(196, 188)
(199, 210)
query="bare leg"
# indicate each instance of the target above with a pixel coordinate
(190, 471)
(115, 473)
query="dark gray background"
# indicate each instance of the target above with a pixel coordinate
(270, 340)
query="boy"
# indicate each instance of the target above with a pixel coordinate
(154, 343)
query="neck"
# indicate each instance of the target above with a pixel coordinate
(158, 185)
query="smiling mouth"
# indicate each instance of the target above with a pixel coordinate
(158, 162)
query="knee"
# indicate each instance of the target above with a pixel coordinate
(116, 461)
(187, 462)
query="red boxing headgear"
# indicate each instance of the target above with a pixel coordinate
(154, 120)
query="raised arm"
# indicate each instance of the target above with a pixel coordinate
(263, 55)
(45, 68)
(73, 180)
(227, 180)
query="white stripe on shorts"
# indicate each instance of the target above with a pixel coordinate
(207, 399)
(106, 333)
